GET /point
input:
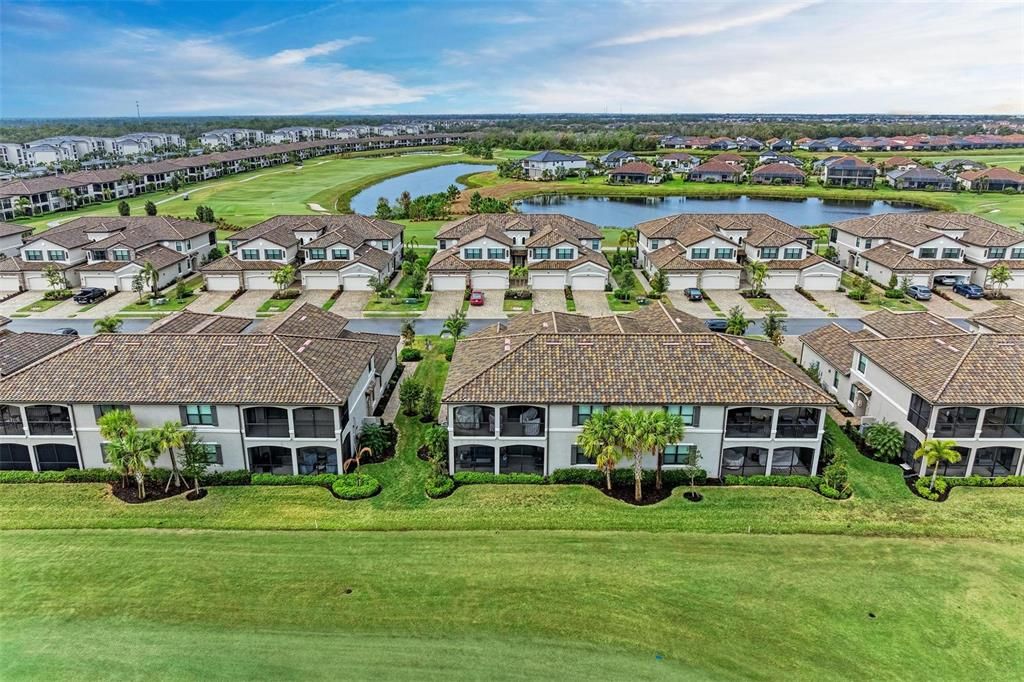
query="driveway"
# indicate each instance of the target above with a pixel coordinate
(247, 304)
(696, 308)
(493, 307)
(62, 310)
(839, 304)
(591, 303)
(111, 305)
(23, 299)
(315, 297)
(975, 306)
(443, 304)
(727, 298)
(548, 300)
(209, 301)
(350, 303)
(795, 304)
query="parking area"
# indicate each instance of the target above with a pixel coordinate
(111, 305)
(247, 304)
(591, 303)
(696, 308)
(795, 304)
(548, 300)
(442, 304)
(23, 299)
(350, 303)
(315, 297)
(64, 309)
(209, 301)
(839, 304)
(492, 309)
(945, 308)
(726, 299)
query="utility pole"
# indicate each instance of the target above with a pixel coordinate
(137, 112)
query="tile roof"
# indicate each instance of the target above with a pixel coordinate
(232, 264)
(187, 322)
(779, 169)
(448, 260)
(892, 325)
(617, 369)
(995, 173)
(11, 229)
(1007, 318)
(19, 350)
(160, 256)
(17, 264)
(691, 228)
(917, 228)
(585, 256)
(717, 167)
(671, 259)
(195, 368)
(978, 369)
(366, 254)
(898, 258)
(546, 237)
(634, 168)
(529, 222)
(806, 262)
(548, 156)
(835, 344)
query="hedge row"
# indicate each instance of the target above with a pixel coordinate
(980, 482)
(68, 476)
(474, 477)
(809, 482)
(355, 486)
(289, 479)
(439, 486)
(670, 477)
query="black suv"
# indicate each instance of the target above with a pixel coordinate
(90, 295)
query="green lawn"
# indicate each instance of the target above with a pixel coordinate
(42, 305)
(275, 305)
(396, 304)
(877, 300)
(765, 305)
(619, 306)
(517, 306)
(171, 305)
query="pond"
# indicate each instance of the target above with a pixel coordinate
(417, 183)
(628, 211)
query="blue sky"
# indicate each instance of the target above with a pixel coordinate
(250, 57)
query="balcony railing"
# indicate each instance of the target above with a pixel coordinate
(797, 431)
(517, 428)
(469, 430)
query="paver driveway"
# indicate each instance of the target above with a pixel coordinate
(492, 309)
(315, 297)
(247, 304)
(696, 308)
(795, 304)
(591, 303)
(838, 303)
(443, 303)
(209, 301)
(727, 298)
(351, 303)
(548, 300)
(23, 299)
(111, 305)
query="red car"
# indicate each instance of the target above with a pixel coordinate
(476, 298)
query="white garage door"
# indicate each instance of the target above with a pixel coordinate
(587, 282)
(355, 283)
(547, 281)
(720, 280)
(489, 281)
(786, 279)
(9, 283)
(320, 280)
(222, 282)
(258, 280)
(36, 281)
(820, 281)
(124, 282)
(103, 280)
(448, 282)
(680, 282)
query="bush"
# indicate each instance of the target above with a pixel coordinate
(981, 482)
(808, 482)
(355, 486)
(476, 477)
(410, 354)
(894, 293)
(518, 295)
(286, 294)
(66, 476)
(621, 477)
(923, 488)
(828, 491)
(289, 479)
(236, 477)
(439, 486)
(58, 295)
(589, 476)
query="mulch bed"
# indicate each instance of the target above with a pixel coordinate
(154, 491)
(911, 480)
(625, 494)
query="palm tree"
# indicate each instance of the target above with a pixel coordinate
(168, 437)
(628, 239)
(757, 273)
(151, 275)
(630, 434)
(283, 276)
(935, 451)
(24, 205)
(111, 324)
(456, 324)
(597, 442)
(133, 452)
(659, 430)
(113, 425)
(737, 323)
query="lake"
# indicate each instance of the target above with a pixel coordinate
(417, 183)
(628, 211)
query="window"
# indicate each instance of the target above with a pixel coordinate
(858, 241)
(526, 459)
(959, 422)
(798, 422)
(578, 458)
(270, 459)
(273, 254)
(474, 458)
(792, 461)
(14, 458)
(744, 461)
(595, 244)
(835, 379)
(724, 254)
(250, 254)
(748, 422)
(472, 254)
(654, 244)
(98, 255)
(958, 468)
(563, 254)
(199, 415)
(266, 422)
(341, 254)
(522, 420)
(833, 235)
(496, 254)
(178, 246)
(56, 457)
(122, 255)
(1017, 254)
(100, 410)
(867, 243)
(853, 393)
(998, 461)
(700, 254)
(582, 413)
(56, 255)
(385, 245)
(313, 422)
(910, 446)
(10, 421)
(770, 252)
(48, 420)
(862, 362)
(952, 254)
(996, 252)
(31, 254)
(927, 253)
(474, 420)
(680, 455)
(542, 253)
(317, 254)
(793, 254)
(689, 413)
(318, 460)
(1003, 422)
(214, 455)
(920, 412)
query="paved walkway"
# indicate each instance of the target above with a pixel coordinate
(727, 298)
(209, 301)
(943, 308)
(350, 304)
(591, 303)
(548, 300)
(696, 308)
(642, 278)
(391, 410)
(443, 304)
(795, 304)
(111, 305)
(494, 300)
(63, 309)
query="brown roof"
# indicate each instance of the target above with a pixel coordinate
(977, 369)
(160, 256)
(547, 237)
(618, 369)
(232, 264)
(19, 350)
(658, 318)
(11, 229)
(671, 259)
(16, 264)
(491, 232)
(373, 257)
(351, 226)
(1007, 318)
(529, 222)
(780, 170)
(449, 261)
(918, 228)
(805, 262)
(691, 228)
(187, 322)
(727, 157)
(897, 161)
(585, 256)
(893, 325)
(835, 344)
(634, 168)
(899, 259)
(717, 167)
(994, 173)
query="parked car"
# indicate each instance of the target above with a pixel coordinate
(716, 325)
(476, 298)
(693, 294)
(90, 295)
(920, 292)
(969, 290)
(946, 280)
(66, 331)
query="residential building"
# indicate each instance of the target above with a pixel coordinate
(478, 251)
(781, 145)
(331, 251)
(775, 157)
(778, 174)
(12, 236)
(707, 250)
(301, 133)
(732, 159)
(848, 171)
(992, 180)
(679, 161)
(919, 178)
(617, 158)
(635, 173)
(897, 163)
(1007, 318)
(959, 165)
(549, 165)
(21, 349)
(518, 394)
(716, 171)
(232, 137)
(286, 402)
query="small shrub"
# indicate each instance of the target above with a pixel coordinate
(236, 477)
(518, 295)
(478, 477)
(67, 476)
(411, 354)
(588, 476)
(289, 479)
(355, 486)
(285, 294)
(439, 486)
(894, 293)
(828, 491)
(982, 482)
(58, 295)
(923, 488)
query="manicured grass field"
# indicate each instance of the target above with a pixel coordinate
(765, 305)
(171, 305)
(42, 305)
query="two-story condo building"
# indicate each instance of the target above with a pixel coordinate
(919, 178)
(12, 236)
(559, 251)
(282, 402)
(335, 252)
(518, 394)
(707, 250)
(1007, 318)
(554, 164)
(848, 171)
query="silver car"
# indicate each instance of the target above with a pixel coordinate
(919, 292)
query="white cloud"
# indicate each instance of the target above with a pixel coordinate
(734, 17)
(297, 56)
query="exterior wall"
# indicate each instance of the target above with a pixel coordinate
(10, 245)
(832, 378)
(72, 256)
(483, 244)
(262, 245)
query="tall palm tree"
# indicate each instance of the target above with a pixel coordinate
(166, 438)
(151, 275)
(134, 452)
(757, 273)
(597, 442)
(658, 431)
(113, 425)
(24, 205)
(456, 324)
(111, 324)
(628, 239)
(934, 451)
(629, 434)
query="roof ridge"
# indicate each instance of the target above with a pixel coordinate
(302, 363)
(776, 368)
(956, 368)
(499, 357)
(671, 319)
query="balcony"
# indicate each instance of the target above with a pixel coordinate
(749, 422)
(522, 421)
(474, 420)
(798, 422)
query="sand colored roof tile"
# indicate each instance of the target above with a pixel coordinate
(893, 325)
(1007, 318)
(835, 344)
